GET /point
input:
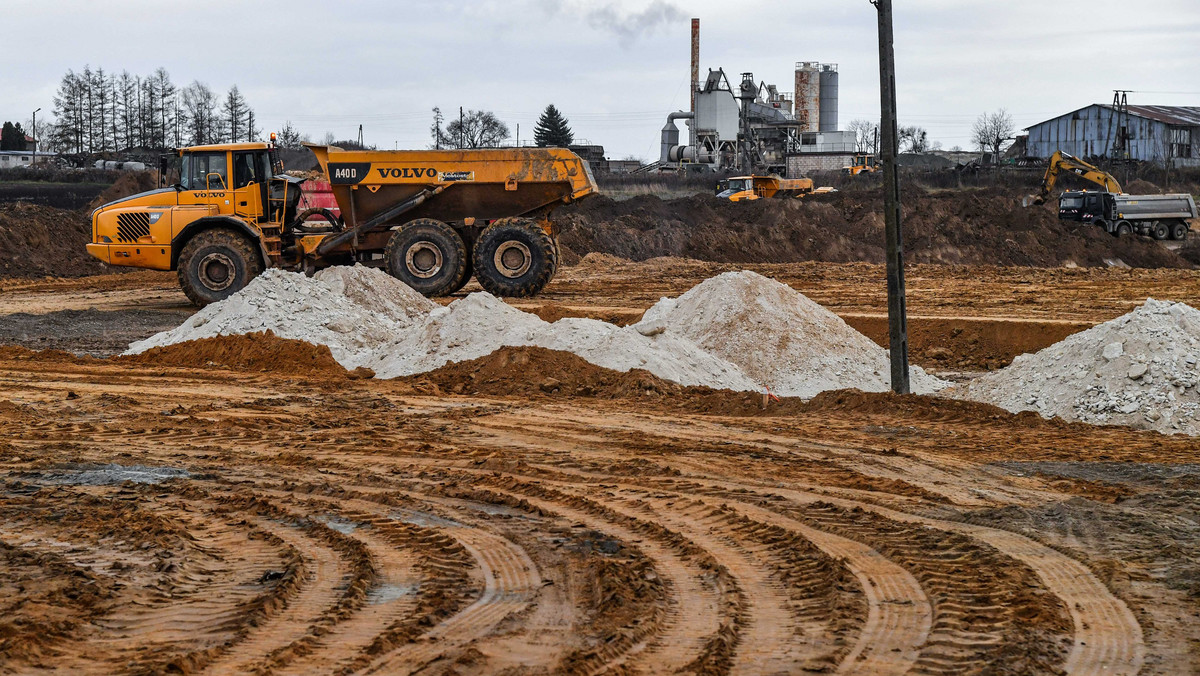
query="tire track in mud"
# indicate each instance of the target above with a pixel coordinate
(510, 581)
(699, 628)
(205, 594)
(1106, 637)
(897, 616)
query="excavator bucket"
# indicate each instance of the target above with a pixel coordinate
(1030, 200)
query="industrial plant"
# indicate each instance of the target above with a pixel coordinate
(755, 128)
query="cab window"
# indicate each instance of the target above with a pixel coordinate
(198, 166)
(245, 169)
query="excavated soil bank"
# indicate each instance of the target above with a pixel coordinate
(38, 241)
(972, 227)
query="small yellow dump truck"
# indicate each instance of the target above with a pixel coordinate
(744, 188)
(431, 218)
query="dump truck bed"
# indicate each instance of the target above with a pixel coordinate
(1179, 205)
(483, 184)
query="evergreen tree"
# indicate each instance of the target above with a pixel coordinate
(233, 115)
(12, 137)
(553, 129)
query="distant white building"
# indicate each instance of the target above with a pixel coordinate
(10, 159)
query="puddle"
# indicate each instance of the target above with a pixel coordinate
(106, 475)
(423, 519)
(386, 593)
(340, 525)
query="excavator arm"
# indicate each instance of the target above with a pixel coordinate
(1061, 161)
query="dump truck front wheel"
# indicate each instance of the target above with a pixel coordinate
(215, 264)
(515, 257)
(429, 256)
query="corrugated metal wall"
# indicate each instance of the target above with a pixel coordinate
(1091, 132)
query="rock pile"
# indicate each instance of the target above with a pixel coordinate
(1139, 369)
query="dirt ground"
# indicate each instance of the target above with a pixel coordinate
(244, 505)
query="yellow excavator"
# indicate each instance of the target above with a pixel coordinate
(1060, 162)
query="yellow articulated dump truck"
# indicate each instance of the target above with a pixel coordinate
(746, 188)
(431, 218)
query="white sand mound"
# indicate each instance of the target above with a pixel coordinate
(777, 336)
(377, 291)
(481, 323)
(1139, 369)
(293, 306)
(737, 331)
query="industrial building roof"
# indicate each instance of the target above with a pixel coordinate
(1188, 116)
(1184, 115)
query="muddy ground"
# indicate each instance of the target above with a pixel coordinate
(244, 505)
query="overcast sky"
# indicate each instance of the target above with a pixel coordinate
(614, 67)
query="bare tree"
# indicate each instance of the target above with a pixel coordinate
(866, 134)
(477, 129)
(991, 130)
(913, 139)
(200, 107)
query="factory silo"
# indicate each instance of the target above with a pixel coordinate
(808, 95)
(828, 102)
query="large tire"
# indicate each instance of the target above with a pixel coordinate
(1179, 230)
(1160, 230)
(515, 257)
(470, 269)
(1123, 229)
(429, 256)
(216, 264)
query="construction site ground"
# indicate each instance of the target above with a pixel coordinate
(251, 507)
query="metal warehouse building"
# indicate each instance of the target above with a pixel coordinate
(1154, 133)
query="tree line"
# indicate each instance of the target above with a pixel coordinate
(97, 111)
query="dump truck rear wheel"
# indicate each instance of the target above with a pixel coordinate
(1179, 230)
(429, 256)
(1160, 231)
(515, 257)
(216, 264)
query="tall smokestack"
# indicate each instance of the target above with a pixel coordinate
(695, 77)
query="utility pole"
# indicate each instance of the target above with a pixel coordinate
(897, 312)
(460, 128)
(35, 139)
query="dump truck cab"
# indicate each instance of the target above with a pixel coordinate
(862, 163)
(738, 189)
(431, 218)
(229, 193)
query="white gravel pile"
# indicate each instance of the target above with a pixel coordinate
(377, 292)
(777, 337)
(1139, 369)
(481, 323)
(737, 331)
(292, 306)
